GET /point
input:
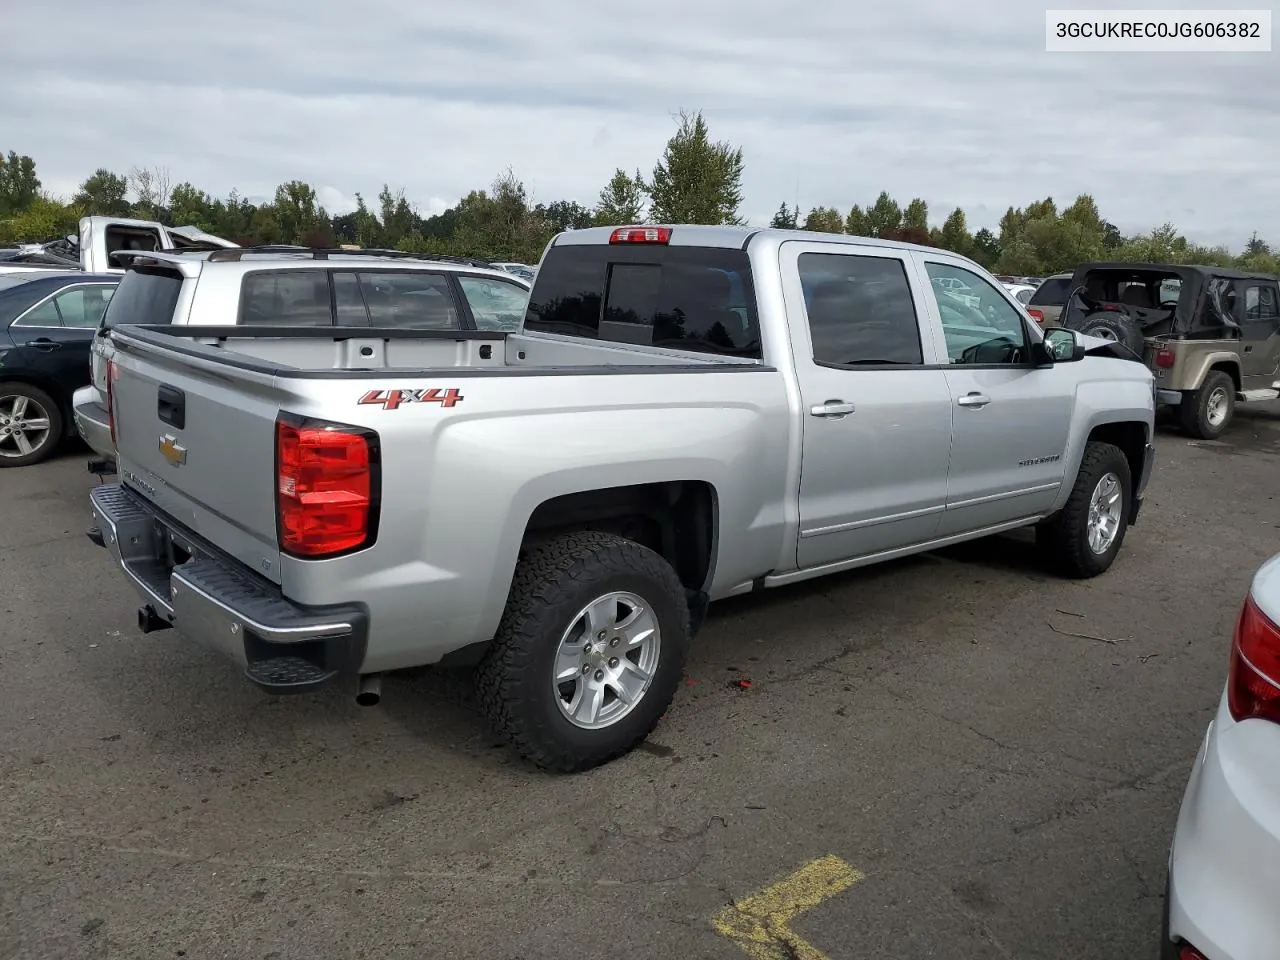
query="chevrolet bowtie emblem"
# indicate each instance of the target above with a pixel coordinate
(172, 450)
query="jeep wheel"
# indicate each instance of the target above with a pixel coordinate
(30, 425)
(589, 652)
(1207, 412)
(1114, 326)
(1083, 539)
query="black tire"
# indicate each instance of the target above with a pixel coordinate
(1065, 538)
(9, 455)
(1198, 413)
(553, 583)
(1112, 325)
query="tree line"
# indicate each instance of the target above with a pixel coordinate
(695, 180)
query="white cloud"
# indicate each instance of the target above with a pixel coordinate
(830, 101)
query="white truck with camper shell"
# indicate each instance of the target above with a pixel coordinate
(688, 413)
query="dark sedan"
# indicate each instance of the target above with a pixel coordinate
(47, 322)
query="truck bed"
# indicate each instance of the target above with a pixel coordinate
(453, 414)
(364, 351)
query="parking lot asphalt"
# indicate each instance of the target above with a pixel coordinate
(985, 775)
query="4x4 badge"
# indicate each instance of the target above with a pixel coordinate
(172, 450)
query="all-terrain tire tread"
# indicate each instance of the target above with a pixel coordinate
(1062, 540)
(541, 584)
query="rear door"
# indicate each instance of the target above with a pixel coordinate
(1011, 418)
(876, 409)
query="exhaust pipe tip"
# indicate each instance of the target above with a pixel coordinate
(369, 691)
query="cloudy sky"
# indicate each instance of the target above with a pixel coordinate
(832, 101)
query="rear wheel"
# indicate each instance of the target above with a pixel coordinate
(30, 425)
(589, 652)
(1083, 539)
(1207, 412)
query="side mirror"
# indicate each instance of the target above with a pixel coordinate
(1062, 345)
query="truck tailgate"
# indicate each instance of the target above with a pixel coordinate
(200, 445)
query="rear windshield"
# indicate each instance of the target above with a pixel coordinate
(688, 298)
(146, 295)
(1053, 292)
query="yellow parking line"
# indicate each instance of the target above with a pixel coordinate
(759, 923)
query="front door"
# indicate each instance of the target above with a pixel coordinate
(1258, 313)
(1012, 420)
(876, 411)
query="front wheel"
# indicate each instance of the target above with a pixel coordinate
(1084, 538)
(589, 651)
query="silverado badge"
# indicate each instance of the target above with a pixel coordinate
(172, 450)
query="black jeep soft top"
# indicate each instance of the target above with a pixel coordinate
(1131, 301)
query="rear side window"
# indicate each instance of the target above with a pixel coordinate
(688, 298)
(419, 301)
(860, 310)
(286, 298)
(145, 295)
(1053, 292)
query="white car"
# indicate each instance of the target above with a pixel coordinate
(1224, 863)
(1022, 292)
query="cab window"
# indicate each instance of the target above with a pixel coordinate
(980, 325)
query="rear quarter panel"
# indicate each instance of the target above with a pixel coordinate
(460, 484)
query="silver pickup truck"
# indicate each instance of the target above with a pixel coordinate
(689, 413)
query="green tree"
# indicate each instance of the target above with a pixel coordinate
(916, 216)
(621, 201)
(786, 218)
(43, 218)
(954, 235)
(562, 215)
(19, 185)
(986, 248)
(824, 220)
(857, 224)
(298, 216)
(103, 193)
(696, 181)
(885, 215)
(189, 206)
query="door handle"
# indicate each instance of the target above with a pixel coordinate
(43, 343)
(832, 408)
(974, 400)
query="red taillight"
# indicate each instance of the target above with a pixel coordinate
(1188, 952)
(641, 235)
(113, 374)
(326, 487)
(1165, 358)
(1253, 680)
(1036, 315)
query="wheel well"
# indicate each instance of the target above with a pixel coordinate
(1130, 437)
(676, 519)
(1231, 370)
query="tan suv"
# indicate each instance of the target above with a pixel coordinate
(1211, 335)
(1045, 305)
